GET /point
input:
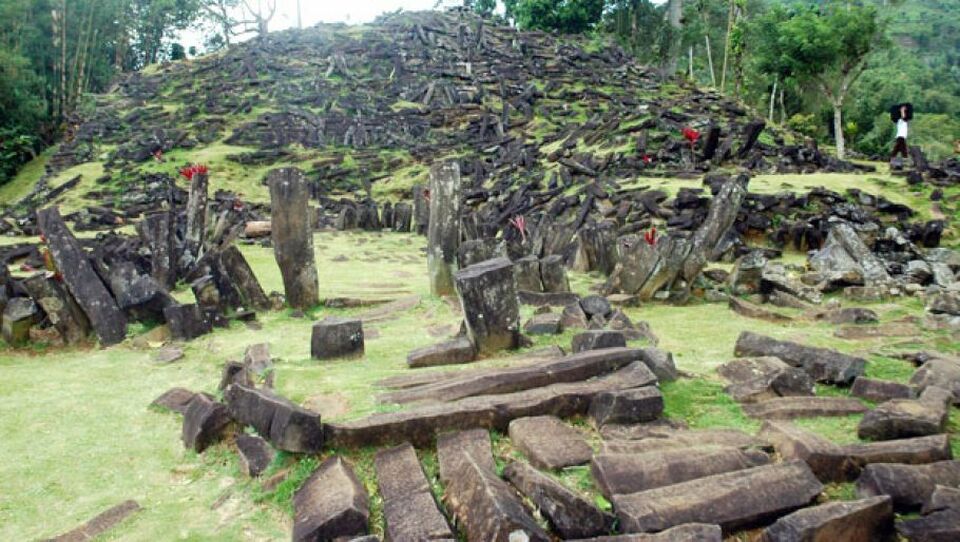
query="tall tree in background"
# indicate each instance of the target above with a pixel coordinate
(262, 12)
(565, 16)
(825, 48)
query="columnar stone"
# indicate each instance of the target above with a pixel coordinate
(245, 281)
(20, 314)
(627, 406)
(475, 251)
(823, 364)
(331, 505)
(488, 295)
(553, 274)
(409, 510)
(597, 339)
(138, 295)
(287, 426)
(386, 216)
(455, 351)
(293, 237)
(527, 272)
(186, 322)
(864, 520)
(598, 244)
(548, 442)
(158, 233)
(337, 338)
(204, 423)
(421, 209)
(108, 321)
(61, 308)
(402, 217)
(348, 218)
(196, 216)
(443, 234)
(910, 486)
(255, 454)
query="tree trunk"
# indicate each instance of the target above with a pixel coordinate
(773, 95)
(838, 129)
(674, 15)
(691, 62)
(783, 108)
(726, 46)
(713, 75)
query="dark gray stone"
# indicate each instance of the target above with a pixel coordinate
(864, 520)
(186, 322)
(331, 504)
(287, 426)
(544, 324)
(488, 295)
(596, 340)
(255, 455)
(627, 406)
(910, 486)
(549, 443)
(337, 338)
(443, 235)
(823, 364)
(205, 422)
(19, 315)
(455, 351)
(875, 390)
(410, 512)
(553, 274)
(292, 236)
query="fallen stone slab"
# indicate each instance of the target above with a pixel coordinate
(940, 372)
(573, 368)
(454, 446)
(860, 333)
(452, 352)
(660, 362)
(332, 503)
(904, 418)
(83, 283)
(409, 509)
(174, 399)
(751, 310)
(642, 438)
(485, 507)
(544, 324)
(335, 337)
(420, 424)
(804, 407)
(910, 486)
(204, 423)
(621, 474)
(412, 379)
(626, 406)
(255, 455)
(100, 524)
(287, 426)
(689, 532)
(569, 514)
(596, 340)
(913, 451)
(186, 322)
(732, 500)
(878, 391)
(823, 364)
(758, 379)
(168, 354)
(549, 443)
(864, 520)
(940, 526)
(943, 497)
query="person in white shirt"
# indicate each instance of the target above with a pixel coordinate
(902, 128)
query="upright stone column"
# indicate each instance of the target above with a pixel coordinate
(421, 210)
(82, 281)
(158, 232)
(196, 216)
(292, 236)
(488, 295)
(443, 232)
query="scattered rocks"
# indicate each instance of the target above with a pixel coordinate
(330, 504)
(334, 338)
(286, 425)
(763, 378)
(454, 351)
(903, 418)
(174, 399)
(823, 364)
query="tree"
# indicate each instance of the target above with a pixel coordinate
(826, 48)
(565, 16)
(484, 8)
(262, 13)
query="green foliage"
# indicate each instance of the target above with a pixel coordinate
(805, 124)
(481, 7)
(565, 16)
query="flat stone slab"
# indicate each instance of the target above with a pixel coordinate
(544, 324)
(864, 520)
(484, 505)
(174, 399)
(758, 379)
(452, 352)
(910, 486)
(942, 497)
(943, 525)
(627, 406)
(732, 500)
(332, 503)
(573, 368)
(875, 390)
(570, 515)
(804, 407)
(835, 463)
(904, 418)
(100, 524)
(412, 379)
(420, 424)
(287, 426)
(409, 510)
(940, 372)
(596, 340)
(549, 443)
(543, 299)
(625, 473)
(640, 438)
(689, 532)
(823, 364)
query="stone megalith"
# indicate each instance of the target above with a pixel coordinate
(443, 230)
(158, 232)
(196, 216)
(488, 295)
(293, 236)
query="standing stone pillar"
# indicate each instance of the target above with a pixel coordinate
(196, 216)
(421, 210)
(293, 237)
(82, 281)
(488, 295)
(443, 232)
(158, 232)
(61, 309)
(553, 274)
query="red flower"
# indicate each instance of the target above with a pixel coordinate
(194, 169)
(647, 159)
(651, 236)
(690, 135)
(521, 224)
